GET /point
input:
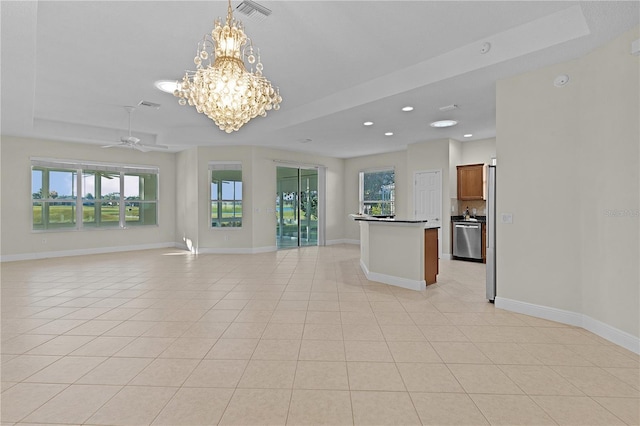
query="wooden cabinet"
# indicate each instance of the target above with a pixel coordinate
(430, 255)
(471, 179)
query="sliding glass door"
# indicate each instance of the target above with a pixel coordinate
(297, 207)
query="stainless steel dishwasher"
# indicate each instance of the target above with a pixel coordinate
(467, 239)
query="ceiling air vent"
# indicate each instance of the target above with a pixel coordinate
(149, 104)
(448, 107)
(253, 10)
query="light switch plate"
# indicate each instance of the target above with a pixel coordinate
(506, 218)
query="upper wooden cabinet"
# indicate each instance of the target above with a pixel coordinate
(471, 180)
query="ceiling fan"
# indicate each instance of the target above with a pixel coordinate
(133, 142)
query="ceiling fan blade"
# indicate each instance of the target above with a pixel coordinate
(154, 147)
(113, 146)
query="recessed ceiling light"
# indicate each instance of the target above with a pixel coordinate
(407, 108)
(444, 123)
(368, 123)
(468, 135)
(168, 86)
(389, 134)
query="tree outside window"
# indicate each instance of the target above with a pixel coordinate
(377, 192)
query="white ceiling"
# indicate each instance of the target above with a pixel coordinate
(68, 68)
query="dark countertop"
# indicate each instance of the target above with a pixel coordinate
(385, 219)
(390, 220)
(481, 219)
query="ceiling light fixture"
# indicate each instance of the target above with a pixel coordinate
(407, 108)
(389, 134)
(444, 123)
(223, 89)
(167, 86)
(368, 123)
(468, 135)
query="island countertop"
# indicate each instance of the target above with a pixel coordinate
(392, 220)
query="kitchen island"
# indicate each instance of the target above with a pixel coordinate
(399, 252)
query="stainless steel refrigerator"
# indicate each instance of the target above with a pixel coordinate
(491, 233)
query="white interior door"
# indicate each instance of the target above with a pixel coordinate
(427, 189)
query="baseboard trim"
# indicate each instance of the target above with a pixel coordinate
(82, 252)
(606, 331)
(391, 280)
(341, 241)
(223, 250)
(182, 246)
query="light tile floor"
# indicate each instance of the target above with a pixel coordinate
(292, 337)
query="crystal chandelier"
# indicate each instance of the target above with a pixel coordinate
(223, 89)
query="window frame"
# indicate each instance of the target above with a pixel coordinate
(361, 193)
(235, 222)
(142, 198)
(97, 170)
(48, 201)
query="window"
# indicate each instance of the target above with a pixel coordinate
(54, 198)
(141, 197)
(111, 195)
(226, 194)
(377, 192)
(100, 198)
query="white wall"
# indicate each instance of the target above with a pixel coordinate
(258, 231)
(609, 150)
(433, 155)
(567, 158)
(480, 151)
(455, 159)
(18, 239)
(187, 201)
